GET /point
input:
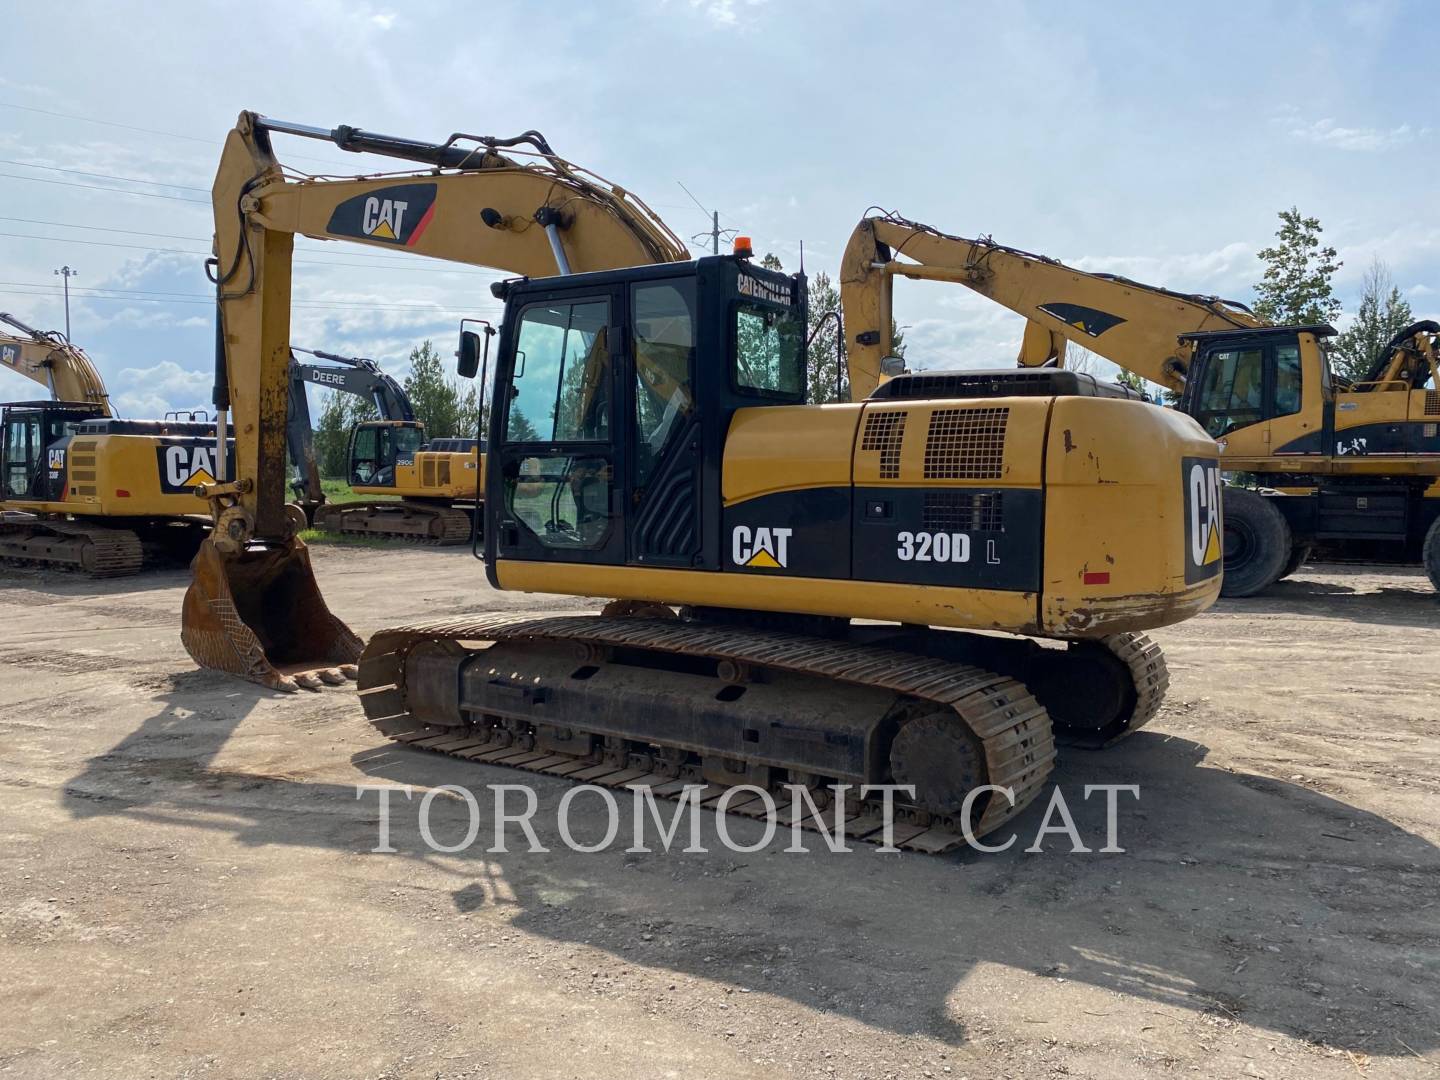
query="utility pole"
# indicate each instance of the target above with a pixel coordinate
(67, 273)
(715, 233)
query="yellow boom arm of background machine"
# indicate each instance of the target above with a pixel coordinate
(1134, 325)
(48, 358)
(476, 206)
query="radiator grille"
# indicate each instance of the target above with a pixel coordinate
(1432, 402)
(434, 470)
(963, 511)
(966, 444)
(885, 432)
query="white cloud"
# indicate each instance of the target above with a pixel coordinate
(384, 20)
(1230, 266)
(724, 12)
(154, 391)
(1326, 132)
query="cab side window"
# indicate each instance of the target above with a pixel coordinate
(663, 316)
(1287, 380)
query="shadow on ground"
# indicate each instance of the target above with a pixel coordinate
(1239, 896)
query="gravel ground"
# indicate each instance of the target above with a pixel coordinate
(187, 886)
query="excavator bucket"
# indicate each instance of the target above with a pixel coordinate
(258, 614)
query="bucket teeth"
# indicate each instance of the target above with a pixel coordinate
(259, 614)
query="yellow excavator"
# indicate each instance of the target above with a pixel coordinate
(1331, 462)
(921, 587)
(83, 489)
(425, 490)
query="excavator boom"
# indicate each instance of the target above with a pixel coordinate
(1135, 325)
(474, 205)
(48, 357)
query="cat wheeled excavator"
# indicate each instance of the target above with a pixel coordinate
(1329, 462)
(921, 587)
(82, 489)
(424, 490)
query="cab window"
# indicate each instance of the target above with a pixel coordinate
(560, 383)
(1231, 390)
(22, 454)
(769, 360)
(663, 316)
(1287, 380)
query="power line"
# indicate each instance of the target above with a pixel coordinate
(102, 228)
(83, 292)
(97, 187)
(459, 269)
(351, 253)
(132, 127)
(103, 176)
(105, 123)
(201, 300)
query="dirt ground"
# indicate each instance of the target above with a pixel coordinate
(187, 887)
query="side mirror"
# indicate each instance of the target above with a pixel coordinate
(468, 363)
(890, 366)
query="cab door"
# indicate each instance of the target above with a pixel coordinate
(557, 494)
(21, 458)
(664, 448)
(1259, 397)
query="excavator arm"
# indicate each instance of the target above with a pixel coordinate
(1134, 325)
(253, 607)
(49, 358)
(350, 374)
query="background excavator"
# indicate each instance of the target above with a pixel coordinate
(650, 442)
(83, 489)
(1330, 462)
(432, 484)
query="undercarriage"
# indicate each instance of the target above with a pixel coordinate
(667, 703)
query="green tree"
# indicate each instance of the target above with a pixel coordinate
(1296, 286)
(436, 399)
(1134, 382)
(1382, 314)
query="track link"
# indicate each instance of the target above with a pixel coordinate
(411, 522)
(1012, 728)
(93, 550)
(1146, 662)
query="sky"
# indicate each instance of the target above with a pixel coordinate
(1156, 141)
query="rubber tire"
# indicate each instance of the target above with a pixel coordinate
(1299, 554)
(1431, 555)
(1264, 534)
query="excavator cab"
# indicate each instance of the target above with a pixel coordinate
(34, 450)
(605, 401)
(377, 446)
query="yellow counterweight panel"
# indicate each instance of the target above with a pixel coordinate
(1117, 534)
(883, 601)
(788, 448)
(127, 476)
(434, 475)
